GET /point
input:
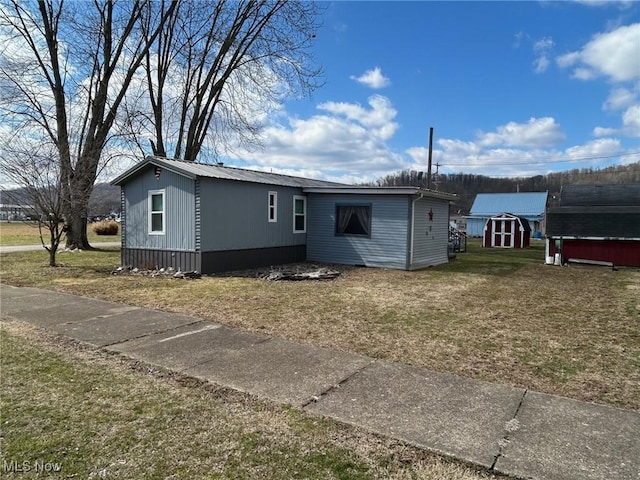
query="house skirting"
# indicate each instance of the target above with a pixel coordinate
(227, 260)
(150, 259)
(212, 262)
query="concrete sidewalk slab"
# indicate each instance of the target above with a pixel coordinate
(16, 300)
(280, 370)
(566, 439)
(187, 346)
(446, 414)
(529, 435)
(118, 328)
(67, 313)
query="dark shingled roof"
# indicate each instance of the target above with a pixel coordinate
(619, 195)
(606, 211)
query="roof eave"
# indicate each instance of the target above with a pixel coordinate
(149, 160)
(350, 190)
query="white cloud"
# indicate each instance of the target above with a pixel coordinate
(457, 155)
(344, 139)
(631, 121)
(621, 98)
(614, 54)
(373, 79)
(379, 119)
(537, 132)
(623, 4)
(595, 148)
(542, 50)
(604, 131)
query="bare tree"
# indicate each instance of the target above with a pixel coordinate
(35, 170)
(215, 68)
(64, 70)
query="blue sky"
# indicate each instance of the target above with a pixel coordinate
(511, 89)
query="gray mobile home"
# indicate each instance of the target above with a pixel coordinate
(213, 218)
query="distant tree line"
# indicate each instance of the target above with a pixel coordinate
(467, 185)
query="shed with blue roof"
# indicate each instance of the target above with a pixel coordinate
(528, 205)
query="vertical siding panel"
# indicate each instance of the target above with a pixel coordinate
(234, 216)
(198, 216)
(123, 217)
(179, 214)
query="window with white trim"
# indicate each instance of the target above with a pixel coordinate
(156, 212)
(273, 206)
(299, 214)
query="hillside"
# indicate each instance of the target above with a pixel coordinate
(466, 185)
(106, 198)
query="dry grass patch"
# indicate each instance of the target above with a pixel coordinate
(26, 233)
(97, 415)
(495, 315)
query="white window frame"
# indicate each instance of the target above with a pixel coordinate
(272, 209)
(163, 212)
(304, 213)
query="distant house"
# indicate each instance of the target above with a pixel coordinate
(596, 223)
(528, 205)
(506, 231)
(214, 218)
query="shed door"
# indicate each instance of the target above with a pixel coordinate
(503, 233)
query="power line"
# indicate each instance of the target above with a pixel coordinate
(542, 162)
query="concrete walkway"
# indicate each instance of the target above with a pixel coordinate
(506, 429)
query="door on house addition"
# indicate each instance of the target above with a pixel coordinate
(503, 233)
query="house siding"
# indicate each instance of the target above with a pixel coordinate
(385, 247)
(475, 226)
(179, 215)
(430, 233)
(242, 208)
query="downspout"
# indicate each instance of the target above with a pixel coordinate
(413, 227)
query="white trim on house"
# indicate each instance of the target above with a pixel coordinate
(574, 237)
(151, 212)
(381, 191)
(272, 207)
(303, 214)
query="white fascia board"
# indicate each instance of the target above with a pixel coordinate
(574, 237)
(380, 191)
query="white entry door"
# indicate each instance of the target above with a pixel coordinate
(503, 233)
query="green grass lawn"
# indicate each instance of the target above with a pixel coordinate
(82, 413)
(27, 233)
(491, 314)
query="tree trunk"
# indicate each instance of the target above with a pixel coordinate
(76, 221)
(52, 257)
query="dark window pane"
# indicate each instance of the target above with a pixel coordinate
(156, 222)
(299, 226)
(156, 202)
(353, 220)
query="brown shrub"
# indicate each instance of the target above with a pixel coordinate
(106, 227)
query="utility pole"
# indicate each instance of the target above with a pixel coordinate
(430, 156)
(437, 179)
